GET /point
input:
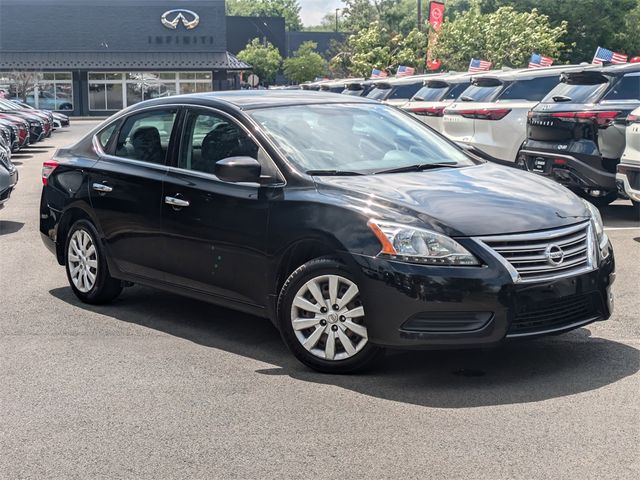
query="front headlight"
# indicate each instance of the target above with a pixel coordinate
(417, 245)
(598, 225)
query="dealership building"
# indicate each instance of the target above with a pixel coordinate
(96, 57)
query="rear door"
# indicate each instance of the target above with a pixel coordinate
(216, 242)
(126, 189)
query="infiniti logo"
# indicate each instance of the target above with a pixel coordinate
(554, 255)
(172, 18)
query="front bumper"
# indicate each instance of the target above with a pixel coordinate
(569, 170)
(416, 306)
(628, 181)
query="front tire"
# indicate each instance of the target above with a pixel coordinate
(322, 319)
(87, 270)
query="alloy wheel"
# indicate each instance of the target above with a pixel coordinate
(328, 317)
(83, 261)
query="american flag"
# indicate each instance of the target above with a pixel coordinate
(476, 65)
(605, 55)
(405, 71)
(538, 61)
(375, 73)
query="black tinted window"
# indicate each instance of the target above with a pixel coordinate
(146, 136)
(575, 92)
(405, 91)
(455, 91)
(208, 138)
(628, 88)
(431, 94)
(480, 93)
(379, 93)
(532, 90)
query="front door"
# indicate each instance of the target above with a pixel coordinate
(216, 232)
(126, 190)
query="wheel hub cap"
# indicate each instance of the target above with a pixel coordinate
(82, 259)
(328, 317)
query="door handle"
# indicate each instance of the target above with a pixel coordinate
(102, 188)
(176, 202)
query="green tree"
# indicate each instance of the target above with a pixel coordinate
(306, 63)
(264, 59)
(377, 47)
(608, 23)
(505, 37)
(289, 9)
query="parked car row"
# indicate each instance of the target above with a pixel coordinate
(21, 125)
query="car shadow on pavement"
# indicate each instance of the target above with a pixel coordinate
(522, 372)
(620, 214)
(7, 227)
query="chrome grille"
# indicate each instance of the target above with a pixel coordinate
(545, 255)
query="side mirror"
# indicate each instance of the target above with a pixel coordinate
(238, 169)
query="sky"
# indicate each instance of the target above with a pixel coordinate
(313, 10)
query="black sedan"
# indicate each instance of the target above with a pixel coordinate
(349, 224)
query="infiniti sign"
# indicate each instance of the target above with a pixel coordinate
(172, 18)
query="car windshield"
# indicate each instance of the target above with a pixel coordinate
(355, 138)
(577, 91)
(480, 93)
(379, 93)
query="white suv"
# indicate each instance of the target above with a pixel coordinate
(491, 114)
(628, 176)
(438, 92)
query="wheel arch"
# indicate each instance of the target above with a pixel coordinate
(71, 214)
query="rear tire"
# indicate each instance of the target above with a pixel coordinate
(86, 267)
(323, 301)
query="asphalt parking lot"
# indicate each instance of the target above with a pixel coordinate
(157, 386)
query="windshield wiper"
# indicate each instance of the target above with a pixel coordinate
(561, 98)
(334, 173)
(419, 167)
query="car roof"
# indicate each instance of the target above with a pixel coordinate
(529, 73)
(252, 99)
(622, 68)
(394, 81)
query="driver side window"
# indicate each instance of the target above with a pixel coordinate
(209, 138)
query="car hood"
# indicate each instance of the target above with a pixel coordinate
(485, 199)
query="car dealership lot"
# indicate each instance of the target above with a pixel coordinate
(158, 386)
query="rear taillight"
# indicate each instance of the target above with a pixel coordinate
(633, 118)
(47, 169)
(482, 113)
(602, 119)
(428, 111)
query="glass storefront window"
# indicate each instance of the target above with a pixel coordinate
(114, 91)
(48, 91)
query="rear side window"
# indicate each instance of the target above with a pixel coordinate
(533, 90)
(405, 91)
(628, 88)
(146, 136)
(455, 91)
